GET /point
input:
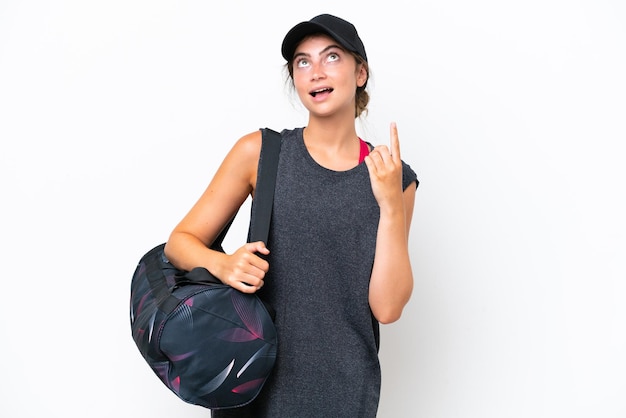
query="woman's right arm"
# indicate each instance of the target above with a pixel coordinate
(234, 181)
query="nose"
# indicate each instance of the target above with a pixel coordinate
(317, 72)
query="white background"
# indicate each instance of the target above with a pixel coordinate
(115, 114)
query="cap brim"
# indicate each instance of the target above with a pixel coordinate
(298, 32)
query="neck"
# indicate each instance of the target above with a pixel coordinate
(333, 144)
(332, 133)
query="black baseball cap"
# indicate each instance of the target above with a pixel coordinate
(340, 30)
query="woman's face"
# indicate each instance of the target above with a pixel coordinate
(326, 76)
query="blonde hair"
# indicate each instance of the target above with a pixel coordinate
(362, 96)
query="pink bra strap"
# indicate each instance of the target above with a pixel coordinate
(365, 150)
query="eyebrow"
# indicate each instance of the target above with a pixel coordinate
(331, 46)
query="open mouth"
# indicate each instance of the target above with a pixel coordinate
(320, 91)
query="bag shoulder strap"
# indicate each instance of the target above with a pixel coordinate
(261, 212)
(262, 204)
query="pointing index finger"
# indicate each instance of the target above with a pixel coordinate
(394, 141)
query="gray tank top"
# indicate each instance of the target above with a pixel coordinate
(322, 242)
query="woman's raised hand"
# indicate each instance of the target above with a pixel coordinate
(385, 169)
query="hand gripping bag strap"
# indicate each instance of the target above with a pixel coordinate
(260, 217)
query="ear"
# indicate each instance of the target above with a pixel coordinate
(361, 75)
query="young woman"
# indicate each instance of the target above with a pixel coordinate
(337, 262)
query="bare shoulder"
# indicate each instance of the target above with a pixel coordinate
(249, 145)
(243, 159)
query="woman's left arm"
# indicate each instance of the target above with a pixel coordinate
(391, 282)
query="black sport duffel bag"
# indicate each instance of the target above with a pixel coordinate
(209, 343)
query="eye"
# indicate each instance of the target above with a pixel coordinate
(302, 63)
(332, 57)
